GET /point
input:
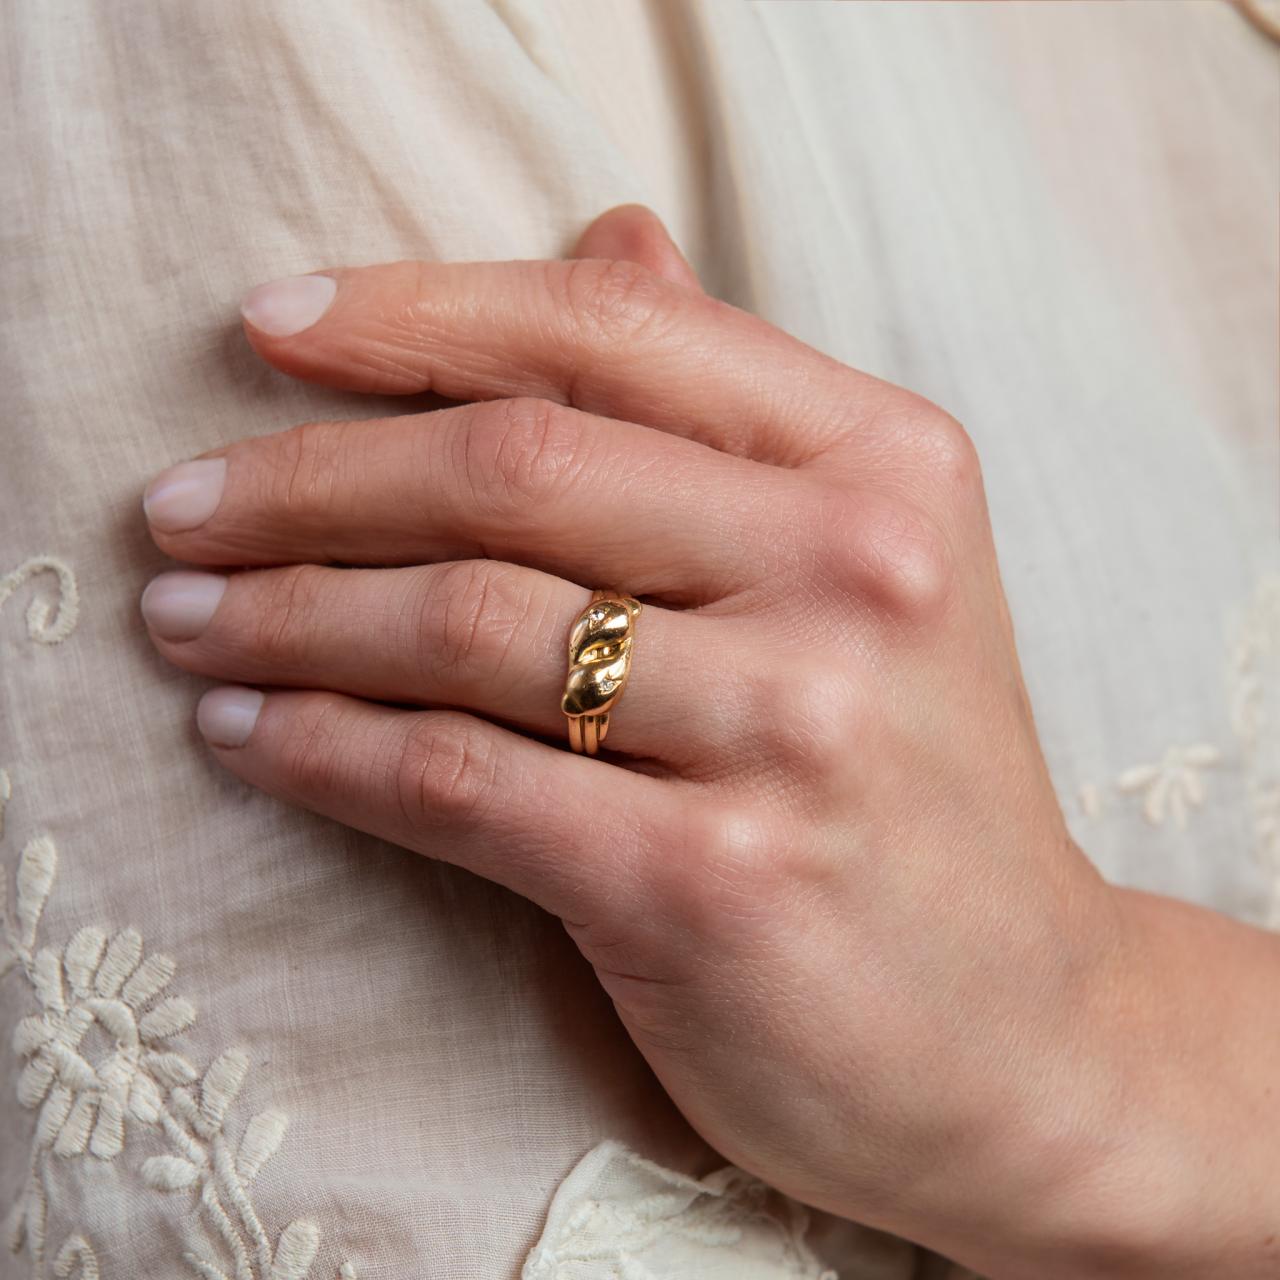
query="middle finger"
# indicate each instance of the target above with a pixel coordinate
(592, 499)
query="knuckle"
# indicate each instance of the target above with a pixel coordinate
(302, 475)
(447, 770)
(938, 452)
(312, 760)
(738, 872)
(887, 551)
(471, 618)
(948, 452)
(521, 453)
(814, 711)
(282, 629)
(613, 298)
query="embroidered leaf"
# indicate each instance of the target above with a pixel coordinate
(170, 1069)
(184, 1106)
(347, 1272)
(75, 1133)
(30, 1033)
(108, 1134)
(34, 1081)
(218, 1090)
(74, 1253)
(46, 975)
(154, 974)
(117, 1020)
(53, 1115)
(262, 1137)
(120, 961)
(169, 1173)
(295, 1251)
(73, 1027)
(7, 957)
(81, 958)
(1138, 777)
(167, 1019)
(1153, 804)
(36, 869)
(73, 1070)
(6, 793)
(144, 1099)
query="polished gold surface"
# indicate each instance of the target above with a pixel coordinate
(599, 663)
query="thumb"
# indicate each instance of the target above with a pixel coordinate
(634, 233)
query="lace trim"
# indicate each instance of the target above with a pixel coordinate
(616, 1212)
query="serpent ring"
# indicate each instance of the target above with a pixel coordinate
(599, 663)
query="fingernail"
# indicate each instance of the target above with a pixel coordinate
(178, 606)
(226, 716)
(285, 307)
(185, 496)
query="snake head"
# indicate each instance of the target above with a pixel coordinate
(599, 656)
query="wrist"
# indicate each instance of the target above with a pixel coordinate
(1158, 1141)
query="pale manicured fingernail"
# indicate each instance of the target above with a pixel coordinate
(185, 496)
(178, 606)
(226, 716)
(285, 307)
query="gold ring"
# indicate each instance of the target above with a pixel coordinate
(599, 663)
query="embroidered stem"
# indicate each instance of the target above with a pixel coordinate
(233, 1189)
(226, 1228)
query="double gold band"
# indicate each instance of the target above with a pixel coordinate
(599, 663)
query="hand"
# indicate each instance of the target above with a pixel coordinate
(819, 865)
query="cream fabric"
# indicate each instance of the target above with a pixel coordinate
(1054, 219)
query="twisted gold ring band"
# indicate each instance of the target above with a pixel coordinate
(599, 663)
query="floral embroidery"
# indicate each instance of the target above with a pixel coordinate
(76, 1261)
(47, 623)
(106, 990)
(1173, 785)
(1090, 800)
(1253, 684)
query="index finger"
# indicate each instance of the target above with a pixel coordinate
(609, 337)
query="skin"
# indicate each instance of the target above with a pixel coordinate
(819, 867)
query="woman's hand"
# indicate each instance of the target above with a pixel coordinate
(819, 865)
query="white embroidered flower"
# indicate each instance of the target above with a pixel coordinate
(1172, 786)
(85, 1099)
(97, 1060)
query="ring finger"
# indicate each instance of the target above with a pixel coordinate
(477, 635)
